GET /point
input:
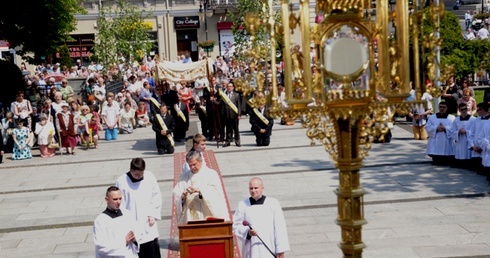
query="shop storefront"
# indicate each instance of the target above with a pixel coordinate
(186, 31)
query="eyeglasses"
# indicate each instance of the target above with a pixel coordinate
(479, 109)
(463, 109)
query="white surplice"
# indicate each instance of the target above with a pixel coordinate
(475, 133)
(461, 141)
(439, 143)
(212, 201)
(268, 221)
(110, 236)
(142, 199)
(484, 143)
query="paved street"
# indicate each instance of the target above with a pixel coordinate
(47, 206)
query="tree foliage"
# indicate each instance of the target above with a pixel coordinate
(255, 11)
(37, 27)
(122, 33)
(468, 56)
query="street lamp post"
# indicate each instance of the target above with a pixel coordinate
(204, 6)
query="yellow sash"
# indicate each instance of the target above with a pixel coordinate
(228, 101)
(164, 127)
(260, 116)
(179, 112)
(155, 102)
(203, 109)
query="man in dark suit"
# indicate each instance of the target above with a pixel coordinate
(181, 117)
(163, 125)
(231, 103)
(261, 122)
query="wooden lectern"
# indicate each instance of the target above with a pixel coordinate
(206, 239)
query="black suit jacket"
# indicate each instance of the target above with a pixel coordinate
(169, 122)
(258, 124)
(228, 112)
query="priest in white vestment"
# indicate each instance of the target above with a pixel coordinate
(260, 216)
(439, 145)
(198, 193)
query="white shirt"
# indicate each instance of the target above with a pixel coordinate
(111, 114)
(483, 33)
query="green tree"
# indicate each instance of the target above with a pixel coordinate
(258, 13)
(65, 58)
(122, 33)
(36, 28)
(467, 56)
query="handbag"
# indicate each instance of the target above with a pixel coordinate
(52, 143)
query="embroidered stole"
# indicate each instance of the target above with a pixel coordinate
(179, 112)
(228, 101)
(164, 127)
(260, 116)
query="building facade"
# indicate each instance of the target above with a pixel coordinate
(176, 27)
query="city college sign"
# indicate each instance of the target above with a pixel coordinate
(187, 22)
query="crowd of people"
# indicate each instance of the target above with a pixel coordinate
(475, 28)
(63, 117)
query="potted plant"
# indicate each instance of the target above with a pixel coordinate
(208, 44)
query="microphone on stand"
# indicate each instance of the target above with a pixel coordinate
(247, 224)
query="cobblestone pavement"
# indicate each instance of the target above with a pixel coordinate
(47, 206)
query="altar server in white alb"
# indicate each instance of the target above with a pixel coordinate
(198, 193)
(439, 145)
(116, 233)
(475, 139)
(460, 129)
(143, 199)
(259, 223)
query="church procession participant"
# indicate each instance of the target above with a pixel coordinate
(459, 132)
(142, 198)
(259, 223)
(115, 231)
(198, 193)
(163, 125)
(439, 145)
(261, 122)
(474, 137)
(181, 117)
(231, 104)
(484, 139)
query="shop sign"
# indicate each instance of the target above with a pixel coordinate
(187, 22)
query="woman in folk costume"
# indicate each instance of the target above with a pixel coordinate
(45, 133)
(186, 93)
(66, 125)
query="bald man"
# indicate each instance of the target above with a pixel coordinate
(260, 216)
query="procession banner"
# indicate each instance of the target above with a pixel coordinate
(176, 72)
